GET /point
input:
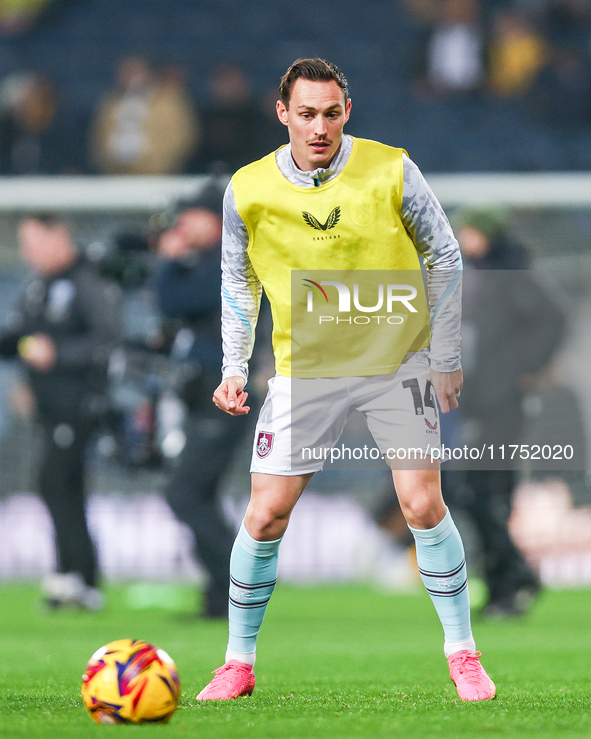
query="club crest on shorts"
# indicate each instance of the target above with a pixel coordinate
(264, 444)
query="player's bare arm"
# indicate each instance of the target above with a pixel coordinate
(230, 396)
(447, 386)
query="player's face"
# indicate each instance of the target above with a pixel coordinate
(315, 118)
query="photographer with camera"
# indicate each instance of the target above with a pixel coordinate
(187, 288)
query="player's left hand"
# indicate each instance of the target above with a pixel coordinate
(447, 386)
(231, 397)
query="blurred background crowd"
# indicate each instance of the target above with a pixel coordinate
(139, 87)
(90, 86)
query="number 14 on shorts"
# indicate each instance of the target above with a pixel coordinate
(420, 400)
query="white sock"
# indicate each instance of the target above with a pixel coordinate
(451, 647)
(247, 659)
(442, 564)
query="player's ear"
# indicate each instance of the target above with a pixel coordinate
(347, 109)
(282, 112)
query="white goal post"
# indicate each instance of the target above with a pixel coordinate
(95, 193)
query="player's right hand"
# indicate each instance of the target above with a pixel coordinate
(230, 396)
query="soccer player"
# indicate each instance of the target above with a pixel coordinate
(380, 214)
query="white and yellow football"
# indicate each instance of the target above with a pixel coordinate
(130, 681)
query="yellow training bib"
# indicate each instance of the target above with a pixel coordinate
(340, 271)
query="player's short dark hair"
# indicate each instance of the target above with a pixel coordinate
(317, 70)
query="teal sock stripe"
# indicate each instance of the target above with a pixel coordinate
(442, 564)
(253, 575)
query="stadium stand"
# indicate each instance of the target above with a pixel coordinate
(78, 46)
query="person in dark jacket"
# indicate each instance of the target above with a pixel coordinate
(188, 292)
(63, 331)
(511, 327)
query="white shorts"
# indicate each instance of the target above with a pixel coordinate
(302, 420)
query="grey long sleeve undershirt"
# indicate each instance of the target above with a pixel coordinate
(423, 218)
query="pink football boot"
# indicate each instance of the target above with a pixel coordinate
(231, 680)
(470, 677)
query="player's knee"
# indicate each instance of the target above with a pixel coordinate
(265, 523)
(424, 510)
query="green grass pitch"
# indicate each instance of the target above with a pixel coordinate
(338, 661)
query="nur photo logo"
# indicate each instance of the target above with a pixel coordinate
(388, 298)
